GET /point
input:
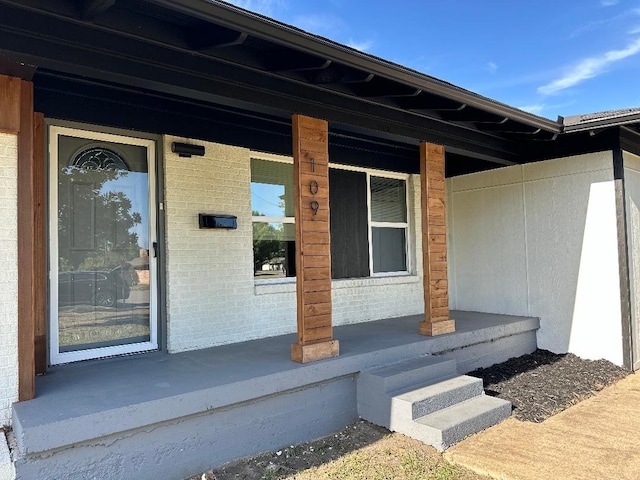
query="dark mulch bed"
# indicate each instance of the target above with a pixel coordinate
(542, 383)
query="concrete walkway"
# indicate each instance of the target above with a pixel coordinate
(597, 439)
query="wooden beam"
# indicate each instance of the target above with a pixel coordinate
(27, 242)
(313, 252)
(40, 246)
(89, 9)
(434, 242)
(10, 104)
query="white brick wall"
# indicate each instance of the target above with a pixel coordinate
(8, 276)
(211, 295)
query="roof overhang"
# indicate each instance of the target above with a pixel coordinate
(213, 55)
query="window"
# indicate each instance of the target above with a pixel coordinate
(272, 211)
(369, 226)
(388, 224)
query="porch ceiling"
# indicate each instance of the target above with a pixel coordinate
(215, 53)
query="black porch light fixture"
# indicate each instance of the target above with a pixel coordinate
(187, 149)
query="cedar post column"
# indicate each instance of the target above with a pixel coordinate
(17, 117)
(434, 242)
(313, 248)
(39, 269)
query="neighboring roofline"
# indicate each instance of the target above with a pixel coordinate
(598, 123)
(254, 24)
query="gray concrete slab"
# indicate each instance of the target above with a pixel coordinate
(100, 398)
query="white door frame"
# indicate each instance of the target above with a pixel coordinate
(55, 356)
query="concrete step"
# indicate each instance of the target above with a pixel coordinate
(451, 425)
(437, 396)
(413, 373)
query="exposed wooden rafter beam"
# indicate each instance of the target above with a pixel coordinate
(89, 9)
(509, 127)
(339, 75)
(380, 87)
(427, 101)
(161, 63)
(473, 115)
(205, 37)
(288, 61)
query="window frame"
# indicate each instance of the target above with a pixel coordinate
(269, 157)
(369, 172)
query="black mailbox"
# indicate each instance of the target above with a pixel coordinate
(212, 220)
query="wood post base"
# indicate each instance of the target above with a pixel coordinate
(314, 351)
(437, 328)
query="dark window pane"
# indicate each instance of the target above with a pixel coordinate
(389, 249)
(349, 235)
(388, 200)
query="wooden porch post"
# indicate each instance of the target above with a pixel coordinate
(313, 248)
(17, 117)
(434, 242)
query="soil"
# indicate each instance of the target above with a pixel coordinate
(538, 385)
(542, 384)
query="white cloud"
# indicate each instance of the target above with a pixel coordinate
(362, 46)
(589, 68)
(535, 109)
(608, 3)
(616, 19)
(492, 67)
(634, 31)
(265, 7)
(319, 23)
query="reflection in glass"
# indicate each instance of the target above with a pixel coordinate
(272, 188)
(273, 211)
(103, 263)
(274, 250)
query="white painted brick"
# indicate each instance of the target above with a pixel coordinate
(212, 298)
(8, 276)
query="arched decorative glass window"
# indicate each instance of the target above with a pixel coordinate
(99, 158)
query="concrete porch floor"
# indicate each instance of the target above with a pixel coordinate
(97, 399)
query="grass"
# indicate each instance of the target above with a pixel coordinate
(381, 462)
(360, 452)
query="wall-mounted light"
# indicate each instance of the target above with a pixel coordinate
(187, 150)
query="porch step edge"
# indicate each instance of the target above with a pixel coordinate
(440, 394)
(451, 425)
(410, 374)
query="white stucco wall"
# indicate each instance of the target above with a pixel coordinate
(212, 298)
(541, 240)
(632, 201)
(8, 276)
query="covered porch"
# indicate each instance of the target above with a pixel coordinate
(172, 415)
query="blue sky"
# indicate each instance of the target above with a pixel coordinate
(549, 57)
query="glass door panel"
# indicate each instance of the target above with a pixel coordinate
(102, 282)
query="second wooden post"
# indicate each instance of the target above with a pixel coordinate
(434, 242)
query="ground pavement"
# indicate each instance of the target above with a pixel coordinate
(597, 439)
